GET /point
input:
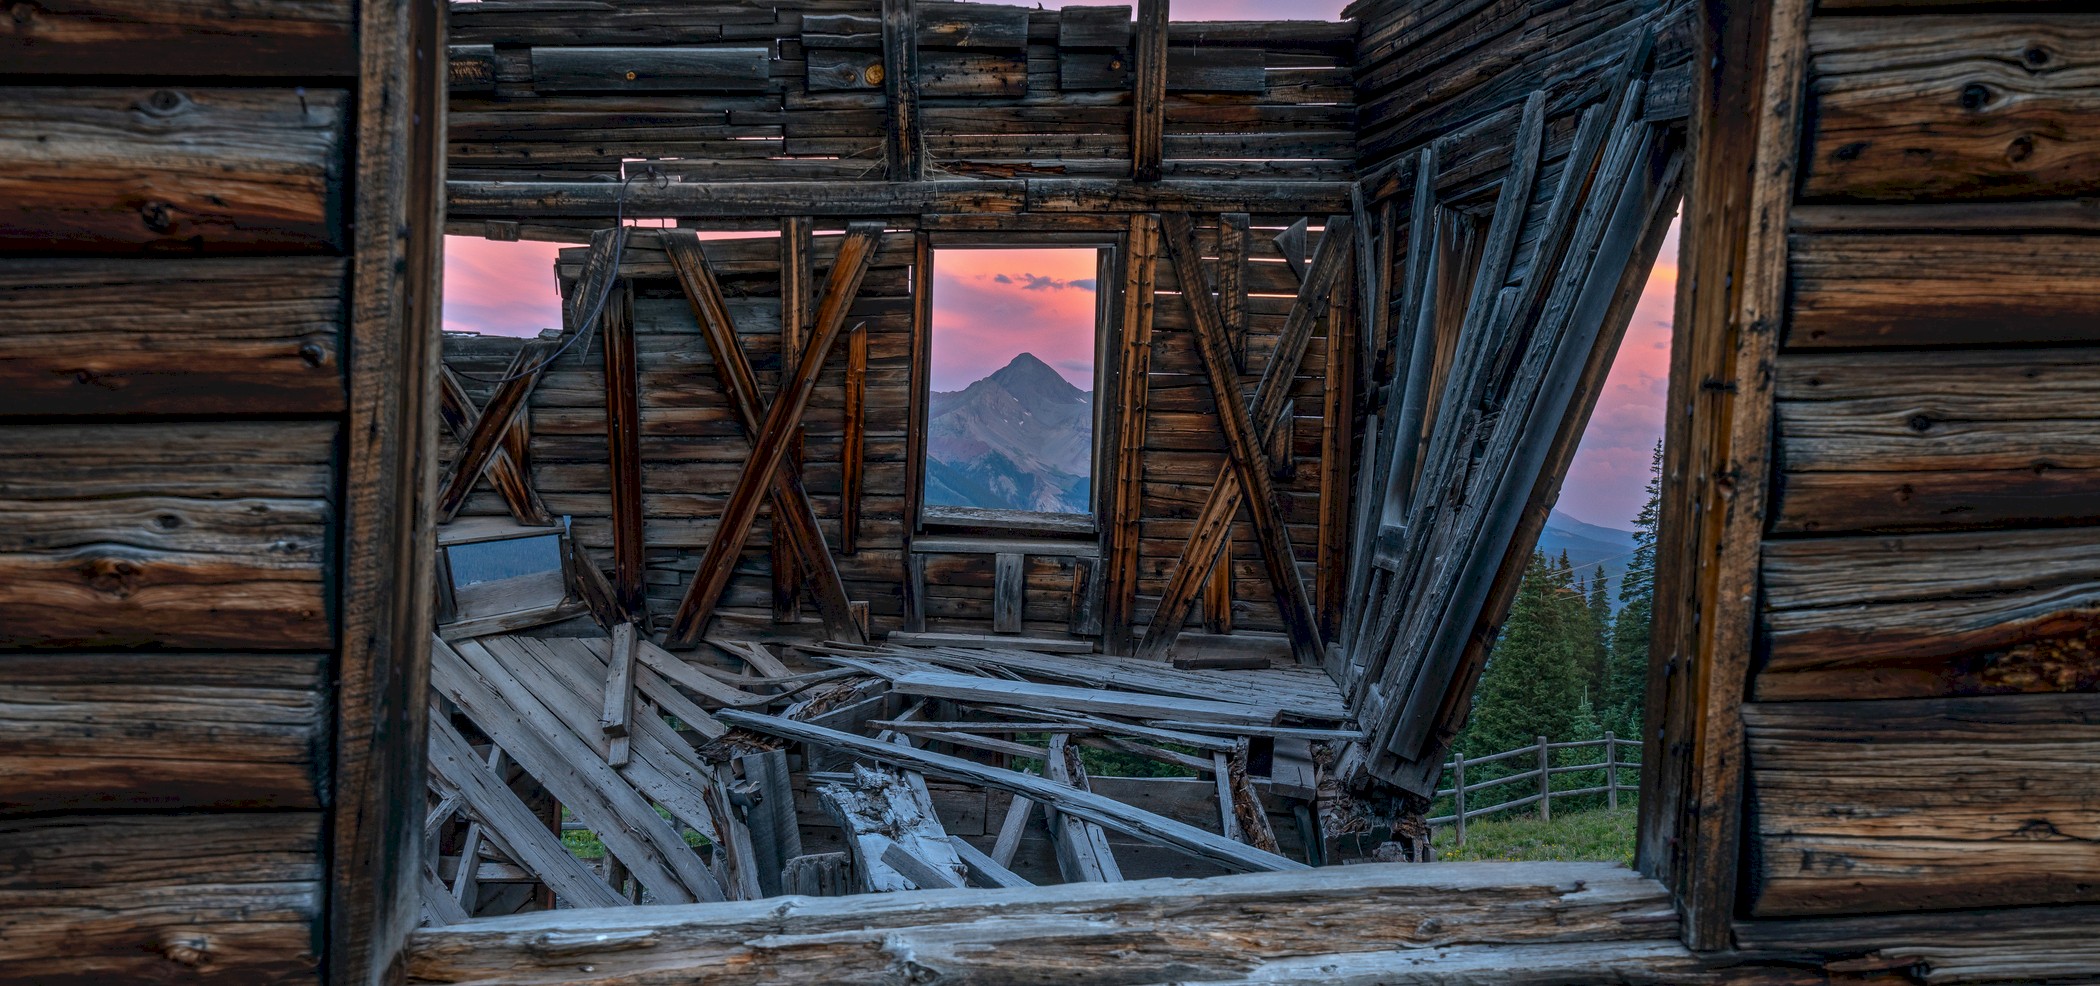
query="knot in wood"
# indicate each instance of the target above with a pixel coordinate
(114, 576)
(22, 13)
(165, 102)
(189, 950)
(2035, 56)
(314, 354)
(2021, 148)
(157, 216)
(1975, 96)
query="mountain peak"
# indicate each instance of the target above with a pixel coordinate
(1027, 374)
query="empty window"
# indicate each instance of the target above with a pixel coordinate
(1011, 418)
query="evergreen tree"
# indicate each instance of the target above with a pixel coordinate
(1626, 674)
(1534, 682)
(1600, 627)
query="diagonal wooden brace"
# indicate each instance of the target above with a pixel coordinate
(508, 468)
(482, 443)
(1246, 435)
(771, 439)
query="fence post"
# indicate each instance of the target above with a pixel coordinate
(1458, 795)
(1611, 771)
(1545, 782)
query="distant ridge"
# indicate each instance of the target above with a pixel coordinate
(1019, 439)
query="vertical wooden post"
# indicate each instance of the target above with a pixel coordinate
(1148, 100)
(1232, 282)
(1545, 782)
(914, 588)
(1611, 771)
(1336, 445)
(1009, 590)
(1133, 385)
(1458, 795)
(905, 150)
(1217, 592)
(795, 277)
(851, 452)
(623, 436)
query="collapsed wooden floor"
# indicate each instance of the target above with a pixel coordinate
(725, 773)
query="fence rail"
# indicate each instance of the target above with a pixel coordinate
(1543, 775)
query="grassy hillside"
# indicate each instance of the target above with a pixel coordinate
(1604, 835)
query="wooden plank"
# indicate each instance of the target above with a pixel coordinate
(1093, 27)
(633, 69)
(882, 811)
(1043, 644)
(853, 443)
(251, 336)
(1148, 121)
(1215, 70)
(1860, 290)
(1337, 434)
(545, 200)
(219, 897)
(1006, 593)
(509, 471)
(623, 439)
(984, 870)
(1083, 852)
(494, 424)
(794, 518)
(776, 838)
(1888, 806)
(1951, 107)
(1091, 807)
(198, 170)
(1232, 283)
(1244, 431)
(381, 687)
(796, 282)
(1333, 912)
(769, 445)
(904, 145)
(102, 732)
(196, 535)
(173, 38)
(618, 710)
(517, 828)
(940, 684)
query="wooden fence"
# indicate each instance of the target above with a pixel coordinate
(1542, 775)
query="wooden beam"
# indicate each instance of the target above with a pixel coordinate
(1008, 591)
(487, 436)
(853, 440)
(507, 471)
(623, 439)
(1233, 232)
(904, 146)
(541, 200)
(795, 278)
(1245, 432)
(1124, 504)
(524, 836)
(619, 688)
(1095, 808)
(794, 518)
(1083, 852)
(1148, 98)
(769, 444)
(1337, 434)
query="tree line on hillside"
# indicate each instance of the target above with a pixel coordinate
(1564, 666)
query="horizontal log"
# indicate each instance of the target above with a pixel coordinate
(1996, 106)
(1915, 805)
(496, 200)
(189, 170)
(178, 535)
(650, 69)
(1165, 930)
(100, 732)
(223, 336)
(1835, 602)
(232, 898)
(304, 38)
(1923, 289)
(2007, 944)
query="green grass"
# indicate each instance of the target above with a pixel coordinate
(1602, 835)
(584, 844)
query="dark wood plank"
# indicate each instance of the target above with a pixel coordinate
(904, 146)
(1119, 573)
(152, 732)
(223, 336)
(305, 38)
(623, 439)
(1148, 121)
(853, 443)
(1917, 805)
(770, 442)
(1926, 289)
(182, 169)
(631, 69)
(1232, 282)
(510, 468)
(1952, 107)
(1337, 445)
(796, 283)
(228, 898)
(180, 535)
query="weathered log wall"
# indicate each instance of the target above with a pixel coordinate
(214, 349)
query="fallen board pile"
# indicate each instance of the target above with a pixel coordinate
(595, 771)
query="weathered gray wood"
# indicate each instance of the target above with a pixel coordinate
(584, 69)
(935, 684)
(984, 870)
(1182, 930)
(1911, 805)
(557, 199)
(523, 835)
(824, 874)
(1011, 828)
(1007, 593)
(881, 811)
(776, 838)
(1091, 807)
(618, 708)
(1083, 852)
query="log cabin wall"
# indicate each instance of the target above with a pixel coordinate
(217, 325)
(1026, 122)
(1880, 586)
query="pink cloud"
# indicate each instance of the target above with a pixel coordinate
(1608, 478)
(991, 305)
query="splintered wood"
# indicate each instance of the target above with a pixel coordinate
(594, 772)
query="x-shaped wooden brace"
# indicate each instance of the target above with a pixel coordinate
(763, 476)
(508, 469)
(1246, 436)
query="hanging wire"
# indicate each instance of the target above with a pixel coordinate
(590, 320)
